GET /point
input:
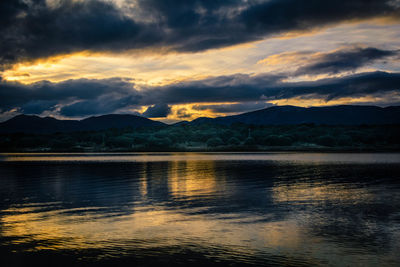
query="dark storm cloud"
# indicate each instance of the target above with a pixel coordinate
(38, 106)
(157, 111)
(253, 88)
(346, 59)
(282, 15)
(83, 96)
(238, 87)
(103, 104)
(34, 29)
(89, 97)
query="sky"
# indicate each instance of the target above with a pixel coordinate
(173, 60)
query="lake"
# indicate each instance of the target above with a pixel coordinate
(273, 209)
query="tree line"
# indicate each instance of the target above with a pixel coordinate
(211, 137)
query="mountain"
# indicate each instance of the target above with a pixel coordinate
(35, 124)
(117, 121)
(180, 123)
(332, 115)
(277, 115)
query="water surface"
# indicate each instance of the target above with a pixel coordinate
(290, 209)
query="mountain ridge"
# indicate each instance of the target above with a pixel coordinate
(276, 115)
(35, 124)
(328, 115)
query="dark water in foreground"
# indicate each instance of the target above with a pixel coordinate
(290, 209)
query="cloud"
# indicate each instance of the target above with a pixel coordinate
(232, 88)
(38, 29)
(157, 111)
(35, 30)
(38, 106)
(346, 59)
(183, 113)
(104, 104)
(241, 88)
(75, 97)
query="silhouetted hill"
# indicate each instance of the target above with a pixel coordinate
(333, 115)
(117, 121)
(277, 115)
(35, 124)
(180, 123)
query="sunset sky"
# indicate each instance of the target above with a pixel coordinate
(179, 60)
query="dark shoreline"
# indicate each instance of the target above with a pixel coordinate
(213, 138)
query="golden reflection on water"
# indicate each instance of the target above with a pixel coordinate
(147, 227)
(338, 158)
(50, 227)
(314, 193)
(147, 223)
(192, 178)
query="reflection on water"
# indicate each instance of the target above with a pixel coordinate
(337, 158)
(301, 193)
(269, 209)
(193, 179)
